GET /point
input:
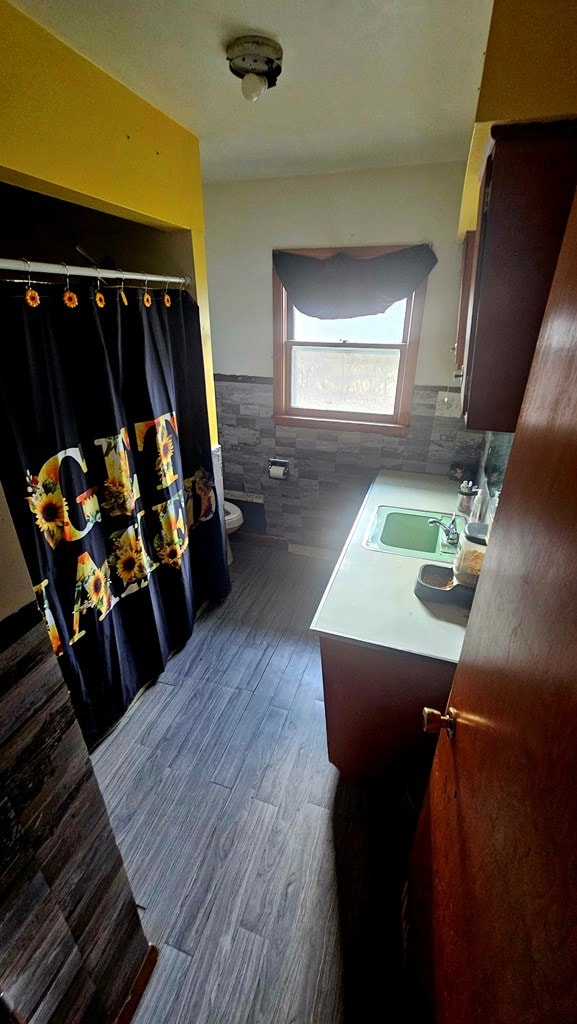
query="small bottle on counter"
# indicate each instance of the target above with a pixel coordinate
(491, 511)
(477, 508)
(470, 554)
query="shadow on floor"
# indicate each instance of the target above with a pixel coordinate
(373, 828)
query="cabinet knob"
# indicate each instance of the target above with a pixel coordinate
(434, 721)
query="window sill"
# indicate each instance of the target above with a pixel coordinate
(320, 423)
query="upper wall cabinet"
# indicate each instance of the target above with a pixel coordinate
(509, 261)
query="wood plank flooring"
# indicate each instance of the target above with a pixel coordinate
(272, 890)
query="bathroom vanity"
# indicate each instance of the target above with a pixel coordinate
(385, 653)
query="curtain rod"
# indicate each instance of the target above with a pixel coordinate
(63, 269)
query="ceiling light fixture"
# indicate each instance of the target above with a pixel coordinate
(257, 61)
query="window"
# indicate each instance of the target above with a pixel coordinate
(355, 373)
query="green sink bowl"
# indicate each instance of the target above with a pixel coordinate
(414, 533)
(408, 532)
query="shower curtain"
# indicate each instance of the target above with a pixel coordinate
(107, 470)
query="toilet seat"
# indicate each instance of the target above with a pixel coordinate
(233, 517)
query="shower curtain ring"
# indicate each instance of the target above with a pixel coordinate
(24, 260)
(167, 299)
(147, 297)
(98, 296)
(122, 292)
(31, 296)
(69, 298)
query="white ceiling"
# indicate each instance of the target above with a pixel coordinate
(365, 83)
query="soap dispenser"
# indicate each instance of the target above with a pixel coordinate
(470, 554)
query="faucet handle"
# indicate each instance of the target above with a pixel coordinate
(453, 524)
(449, 530)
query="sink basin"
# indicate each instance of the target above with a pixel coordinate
(404, 531)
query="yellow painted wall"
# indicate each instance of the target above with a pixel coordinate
(530, 73)
(530, 68)
(71, 131)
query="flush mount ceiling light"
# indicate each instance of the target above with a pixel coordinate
(257, 61)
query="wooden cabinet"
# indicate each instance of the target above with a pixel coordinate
(374, 698)
(528, 185)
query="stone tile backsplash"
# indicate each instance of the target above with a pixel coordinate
(330, 471)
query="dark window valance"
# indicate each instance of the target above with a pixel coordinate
(346, 286)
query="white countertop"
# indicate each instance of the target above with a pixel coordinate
(370, 596)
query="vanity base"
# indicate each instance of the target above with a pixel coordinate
(374, 700)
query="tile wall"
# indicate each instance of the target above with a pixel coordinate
(330, 471)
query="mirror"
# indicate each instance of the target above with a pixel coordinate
(498, 450)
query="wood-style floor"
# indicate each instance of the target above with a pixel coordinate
(270, 887)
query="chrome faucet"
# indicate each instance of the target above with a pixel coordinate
(450, 530)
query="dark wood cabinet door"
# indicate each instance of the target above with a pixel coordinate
(373, 702)
(493, 882)
(526, 196)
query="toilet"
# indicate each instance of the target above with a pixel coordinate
(233, 518)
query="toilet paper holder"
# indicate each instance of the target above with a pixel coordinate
(278, 469)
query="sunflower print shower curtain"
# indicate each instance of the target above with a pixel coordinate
(108, 474)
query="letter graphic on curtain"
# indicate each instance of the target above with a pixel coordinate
(107, 469)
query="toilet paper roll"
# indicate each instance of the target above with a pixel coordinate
(277, 472)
